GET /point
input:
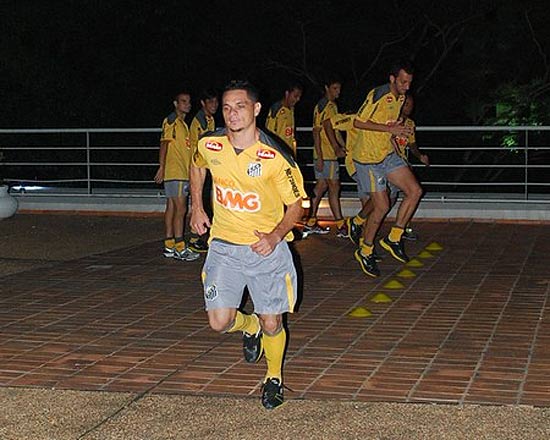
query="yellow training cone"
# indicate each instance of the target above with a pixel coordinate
(425, 254)
(406, 273)
(415, 262)
(393, 284)
(434, 247)
(360, 312)
(381, 298)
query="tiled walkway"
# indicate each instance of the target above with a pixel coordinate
(471, 326)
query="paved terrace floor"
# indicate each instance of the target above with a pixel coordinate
(471, 325)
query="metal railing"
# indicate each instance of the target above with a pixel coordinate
(91, 161)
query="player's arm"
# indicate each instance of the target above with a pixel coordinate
(413, 147)
(396, 129)
(197, 174)
(339, 150)
(267, 242)
(159, 176)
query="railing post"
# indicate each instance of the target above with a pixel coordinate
(526, 164)
(88, 168)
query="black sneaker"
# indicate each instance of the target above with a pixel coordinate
(410, 234)
(199, 246)
(368, 264)
(396, 249)
(252, 347)
(354, 231)
(272, 393)
(342, 231)
(316, 229)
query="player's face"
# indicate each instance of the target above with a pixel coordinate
(401, 83)
(293, 97)
(407, 107)
(182, 103)
(210, 106)
(333, 91)
(239, 112)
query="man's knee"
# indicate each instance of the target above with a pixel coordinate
(271, 324)
(220, 323)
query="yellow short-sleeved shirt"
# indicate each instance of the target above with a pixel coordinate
(324, 110)
(178, 153)
(251, 188)
(201, 123)
(280, 120)
(381, 107)
(344, 122)
(402, 143)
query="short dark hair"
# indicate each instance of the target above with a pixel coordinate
(208, 94)
(332, 79)
(181, 92)
(239, 84)
(398, 65)
(294, 86)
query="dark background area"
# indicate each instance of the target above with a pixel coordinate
(118, 63)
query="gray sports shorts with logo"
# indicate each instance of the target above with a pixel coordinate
(372, 177)
(271, 280)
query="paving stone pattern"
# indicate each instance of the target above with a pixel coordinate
(472, 325)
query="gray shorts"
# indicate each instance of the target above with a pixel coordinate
(331, 170)
(271, 280)
(360, 191)
(176, 188)
(371, 177)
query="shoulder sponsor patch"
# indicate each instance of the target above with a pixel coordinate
(265, 154)
(289, 131)
(389, 99)
(214, 146)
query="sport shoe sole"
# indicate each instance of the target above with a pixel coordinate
(371, 272)
(392, 252)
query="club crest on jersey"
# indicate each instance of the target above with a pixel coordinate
(214, 146)
(265, 154)
(254, 169)
(288, 131)
(389, 99)
(235, 200)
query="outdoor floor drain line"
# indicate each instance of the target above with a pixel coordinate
(144, 393)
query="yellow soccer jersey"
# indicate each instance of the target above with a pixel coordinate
(201, 123)
(343, 122)
(381, 107)
(178, 154)
(402, 142)
(324, 110)
(280, 120)
(250, 188)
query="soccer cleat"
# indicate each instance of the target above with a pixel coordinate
(186, 255)
(395, 249)
(354, 231)
(342, 231)
(368, 263)
(316, 229)
(199, 246)
(169, 252)
(252, 347)
(272, 393)
(410, 234)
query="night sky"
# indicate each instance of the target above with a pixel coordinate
(118, 63)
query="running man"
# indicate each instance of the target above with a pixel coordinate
(325, 158)
(258, 197)
(203, 122)
(280, 118)
(377, 163)
(174, 160)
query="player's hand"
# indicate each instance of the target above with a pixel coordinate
(266, 243)
(159, 177)
(199, 221)
(425, 160)
(400, 130)
(319, 164)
